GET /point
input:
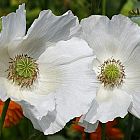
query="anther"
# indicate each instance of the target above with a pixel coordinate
(112, 73)
(23, 70)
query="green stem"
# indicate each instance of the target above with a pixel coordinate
(103, 7)
(87, 136)
(92, 6)
(4, 111)
(129, 127)
(103, 135)
(46, 137)
(30, 130)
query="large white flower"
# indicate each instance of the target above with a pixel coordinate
(50, 79)
(116, 45)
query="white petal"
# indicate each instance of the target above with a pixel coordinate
(72, 96)
(92, 110)
(48, 124)
(52, 122)
(4, 65)
(77, 79)
(103, 94)
(4, 62)
(85, 120)
(49, 80)
(96, 64)
(104, 45)
(38, 105)
(111, 38)
(111, 106)
(89, 127)
(13, 25)
(54, 28)
(65, 52)
(77, 90)
(77, 84)
(3, 92)
(47, 30)
(53, 79)
(67, 78)
(132, 70)
(40, 95)
(135, 106)
(127, 32)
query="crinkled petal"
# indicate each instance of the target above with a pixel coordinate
(13, 26)
(70, 78)
(77, 78)
(4, 62)
(115, 38)
(89, 127)
(47, 30)
(96, 65)
(3, 92)
(70, 98)
(85, 120)
(4, 65)
(49, 124)
(73, 58)
(132, 71)
(54, 28)
(52, 122)
(65, 52)
(38, 105)
(77, 91)
(40, 94)
(135, 106)
(113, 105)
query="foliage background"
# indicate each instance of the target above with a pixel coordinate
(82, 9)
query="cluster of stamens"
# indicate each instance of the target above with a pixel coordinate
(23, 70)
(112, 73)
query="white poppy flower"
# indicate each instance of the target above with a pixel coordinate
(116, 45)
(50, 79)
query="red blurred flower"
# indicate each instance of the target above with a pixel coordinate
(112, 133)
(14, 114)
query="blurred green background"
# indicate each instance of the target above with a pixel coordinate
(82, 9)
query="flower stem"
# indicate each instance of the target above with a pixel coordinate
(87, 136)
(92, 6)
(46, 137)
(103, 7)
(4, 111)
(103, 135)
(129, 127)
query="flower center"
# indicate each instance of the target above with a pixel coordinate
(23, 70)
(112, 73)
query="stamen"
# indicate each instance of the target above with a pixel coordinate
(112, 73)
(23, 70)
